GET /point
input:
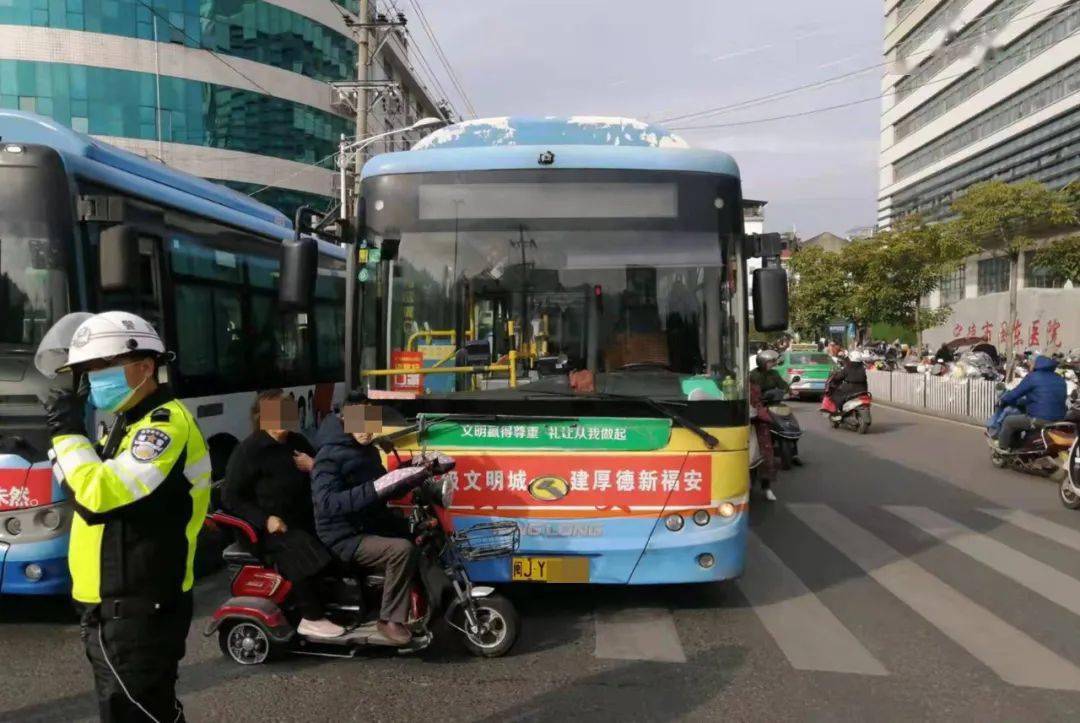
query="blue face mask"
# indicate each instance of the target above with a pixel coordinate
(109, 389)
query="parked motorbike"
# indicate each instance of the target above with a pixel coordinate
(783, 426)
(1069, 489)
(1042, 451)
(852, 413)
(259, 622)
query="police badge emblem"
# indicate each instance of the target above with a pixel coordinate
(148, 444)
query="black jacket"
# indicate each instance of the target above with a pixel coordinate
(262, 480)
(850, 380)
(346, 504)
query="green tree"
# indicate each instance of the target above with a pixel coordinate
(1061, 257)
(821, 290)
(1004, 219)
(894, 270)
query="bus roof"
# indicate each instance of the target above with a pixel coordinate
(576, 142)
(99, 162)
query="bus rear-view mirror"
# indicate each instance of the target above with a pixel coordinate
(299, 267)
(118, 258)
(770, 299)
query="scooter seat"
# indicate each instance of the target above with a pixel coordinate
(238, 554)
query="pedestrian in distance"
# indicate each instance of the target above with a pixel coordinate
(268, 484)
(140, 497)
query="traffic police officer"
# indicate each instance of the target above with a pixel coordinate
(141, 496)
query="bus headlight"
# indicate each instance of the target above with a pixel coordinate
(673, 522)
(33, 572)
(726, 510)
(701, 518)
(705, 560)
(13, 525)
(51, 518)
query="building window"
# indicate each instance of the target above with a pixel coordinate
(952, 286)
(1049, 153)
(986, 25)
(1040, 277)
(993, 275)
(1060, 84)
(1050, 33)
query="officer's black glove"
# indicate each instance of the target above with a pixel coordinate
(65, 412)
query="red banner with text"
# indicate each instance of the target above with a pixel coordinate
(580, 481)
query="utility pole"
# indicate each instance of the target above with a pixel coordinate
(363, 74)
(349, 200)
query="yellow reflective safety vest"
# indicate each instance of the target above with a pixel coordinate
(138, 510)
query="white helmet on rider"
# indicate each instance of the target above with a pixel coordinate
(766, 357)
(112, 334)
(856, 356)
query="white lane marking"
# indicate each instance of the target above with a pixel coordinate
(1052, 531)
(1011, 654)
(638, 634)
(806, 631)
(1052, 584)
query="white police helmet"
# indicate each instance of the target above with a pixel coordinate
(111, 334)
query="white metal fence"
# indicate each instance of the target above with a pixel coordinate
(972, 399)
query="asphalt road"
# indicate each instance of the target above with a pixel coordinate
(900, 577)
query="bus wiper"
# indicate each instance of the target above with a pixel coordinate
(710, 441)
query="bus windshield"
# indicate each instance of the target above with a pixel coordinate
(629, 280)
(33, 280)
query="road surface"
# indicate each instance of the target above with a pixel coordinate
(899, 577)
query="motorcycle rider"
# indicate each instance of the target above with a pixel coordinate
(849, 380)
(1042, 394)
(140, 497)
(764, 375)
(350, 516)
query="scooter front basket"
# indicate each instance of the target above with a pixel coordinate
(487, 539)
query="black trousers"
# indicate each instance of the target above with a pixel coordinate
(139, 654)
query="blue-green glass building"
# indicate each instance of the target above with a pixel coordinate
(234, 90)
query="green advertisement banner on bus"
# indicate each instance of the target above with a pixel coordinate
(592, 433)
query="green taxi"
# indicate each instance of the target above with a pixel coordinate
(806, 370)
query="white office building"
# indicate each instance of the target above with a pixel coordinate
(978, 90)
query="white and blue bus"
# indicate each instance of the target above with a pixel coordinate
(199, 260)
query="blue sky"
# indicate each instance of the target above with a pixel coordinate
(655, 60)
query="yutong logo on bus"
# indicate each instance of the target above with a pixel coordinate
(548, 488)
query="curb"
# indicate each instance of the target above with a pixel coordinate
(922, 412)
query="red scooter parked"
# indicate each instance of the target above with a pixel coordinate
(259, 621)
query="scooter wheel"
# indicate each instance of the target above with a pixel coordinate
(787, 453)
(1068, 496)
(246, 643)
(998, 460)
(864, 420)
(499, 624)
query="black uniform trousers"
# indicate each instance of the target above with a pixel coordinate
(141, 653)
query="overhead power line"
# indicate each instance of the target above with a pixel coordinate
(454, 80)
(844, 76)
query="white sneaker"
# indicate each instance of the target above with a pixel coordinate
(770, 495)
(319, 628)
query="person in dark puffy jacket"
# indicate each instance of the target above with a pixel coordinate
(352, 520)
(1041, 394)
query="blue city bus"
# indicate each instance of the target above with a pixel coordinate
(561, 305)
(201, 263)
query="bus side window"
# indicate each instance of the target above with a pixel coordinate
(209, 321)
